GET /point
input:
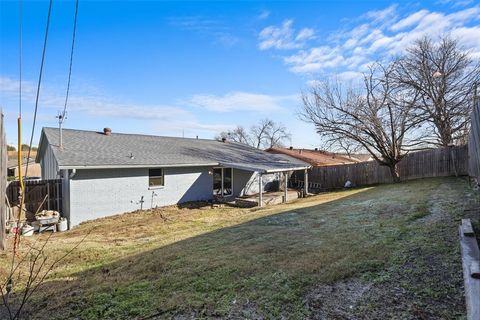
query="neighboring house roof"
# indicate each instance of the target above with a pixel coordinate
(316, 158)
(13, 162)
(90, 149)
(13, 154)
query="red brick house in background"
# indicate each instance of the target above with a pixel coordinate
(319, 158)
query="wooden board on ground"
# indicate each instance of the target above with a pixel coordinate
(470, 257)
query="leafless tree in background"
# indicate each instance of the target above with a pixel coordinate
(379, 116)
(239, 134)
(341, 146)
(266, 134)
(445, 76)
(277, 134)
(259, 133)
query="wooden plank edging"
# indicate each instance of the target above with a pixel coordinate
(470, 262)
(467, 228)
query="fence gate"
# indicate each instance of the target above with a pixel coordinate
(39, 195)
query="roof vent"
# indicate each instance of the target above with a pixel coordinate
(224, 139)
(291, 148)
(316, 149)
(107, 131)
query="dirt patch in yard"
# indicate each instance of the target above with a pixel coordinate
(336, 301)
(437, 208)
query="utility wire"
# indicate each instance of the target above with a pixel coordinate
(39, 84)
(71, 62)
(20, 63)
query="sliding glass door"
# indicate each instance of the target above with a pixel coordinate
(223, 182)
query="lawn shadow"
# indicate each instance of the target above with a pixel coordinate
(256, 269)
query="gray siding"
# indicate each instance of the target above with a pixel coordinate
(104, 192)
(49, 164)
(245, 183)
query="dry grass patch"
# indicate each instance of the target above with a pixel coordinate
(274, 262)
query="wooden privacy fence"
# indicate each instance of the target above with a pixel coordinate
(430, 163)
(474, 142)
(39, 194)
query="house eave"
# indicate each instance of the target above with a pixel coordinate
(133, 166)
(254, 168)
(210, 164)
(287, 169)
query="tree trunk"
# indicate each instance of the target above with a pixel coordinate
(394, 172)
(445, 134)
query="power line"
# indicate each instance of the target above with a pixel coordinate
(20, 63)
(71, 61)
(39, 84)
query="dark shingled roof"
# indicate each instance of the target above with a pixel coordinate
(90, 149)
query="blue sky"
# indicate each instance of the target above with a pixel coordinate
(197, 68)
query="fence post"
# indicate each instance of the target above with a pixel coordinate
(474, 140)
(3, 182)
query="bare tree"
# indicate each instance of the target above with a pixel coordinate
(38, 264)
(239, 134)
(444, 75)
(350, 148)
(266, 134)
(379, 116)
(259, 133)
(276, 135)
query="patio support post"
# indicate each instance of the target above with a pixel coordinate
(286, 186)
(260, 190)
(306, 182)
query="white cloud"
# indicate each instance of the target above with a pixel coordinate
(456, 3)
(382, 15)
(379, 35)
(314, 59)
(264, 14)
(215, 29)
(470, 36)
(409, 20)
(83, 106)
(313, 83)
(11, 86)
(350, 75)
(305, 34)
(96, 106)
(284, 37)
(240, 101)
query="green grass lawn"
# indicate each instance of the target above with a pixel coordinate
(386, 252)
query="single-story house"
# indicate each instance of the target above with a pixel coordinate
(105, 173)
